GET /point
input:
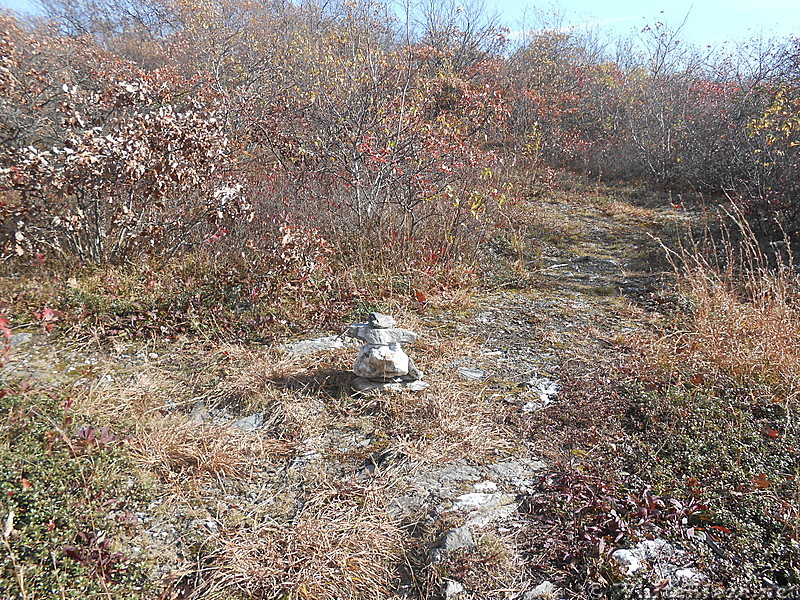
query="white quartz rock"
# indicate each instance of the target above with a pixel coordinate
(381, 362)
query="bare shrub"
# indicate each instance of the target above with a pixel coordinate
(102, 161)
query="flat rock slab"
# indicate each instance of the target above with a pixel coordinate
(368, 386)
(381, 337)
(20, 339)
(250, 423)
(472, 374)
(330, 342)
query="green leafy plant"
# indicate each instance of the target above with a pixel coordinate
(58, 488)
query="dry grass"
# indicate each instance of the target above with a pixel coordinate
(752, 340)
(451, 420)
(290, 528)
(116, 397)
(175, 449)
(743, 325)
(341, 545)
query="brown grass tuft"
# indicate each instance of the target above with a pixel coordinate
(341, 545)
(174, 448)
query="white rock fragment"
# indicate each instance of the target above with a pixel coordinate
(482, 508)
(492, 353)
(683, 576)
(627, 559)
(364, 385)
(658, 556)
(473, 374)
(543, 591)
(454, 591)
(474, 501)
(545, 391)
(485, 486)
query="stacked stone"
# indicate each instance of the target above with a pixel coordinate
(381, 362)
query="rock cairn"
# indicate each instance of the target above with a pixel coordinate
(381, 363)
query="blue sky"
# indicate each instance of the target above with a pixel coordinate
(709, 22)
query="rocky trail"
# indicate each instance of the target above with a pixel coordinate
(257, 452)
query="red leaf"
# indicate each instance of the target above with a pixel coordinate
(26, 485)
(761, 481)
(721, 528)
(421, 298)
(770, 432)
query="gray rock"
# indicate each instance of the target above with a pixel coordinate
(380, 321)
(513, 471)
(457, 538)
(381, 363)
(250, 423)
(405, 505)
(473, 374)
(367, 386)
(413, 371)
(200, 413)
(319, 344)
(450, 480)
(381, 337)
(543, 591)
(20, 339)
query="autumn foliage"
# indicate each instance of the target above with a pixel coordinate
(154, 129)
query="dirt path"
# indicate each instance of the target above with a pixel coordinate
(581, 295)
(570, 310)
